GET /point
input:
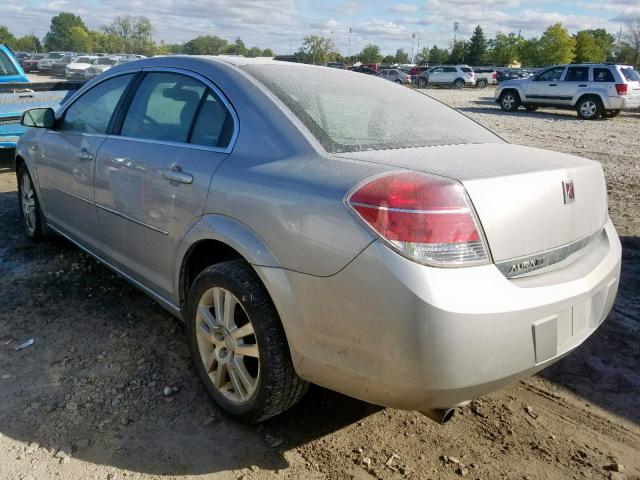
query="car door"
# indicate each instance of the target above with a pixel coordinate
(153, 173)
(65, 158)
(436, 75)
(575, 80)
(543, 88)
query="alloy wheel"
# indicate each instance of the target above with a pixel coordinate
(227, 345)
(588, 108)
(507, 101)
(28, 203)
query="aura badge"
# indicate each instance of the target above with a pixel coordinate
(568, 191)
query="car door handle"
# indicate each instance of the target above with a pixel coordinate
(553, 84)
(175, 174)
(84, 156)
(583, 85)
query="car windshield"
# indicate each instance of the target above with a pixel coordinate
(83, 60)
(347, 112)
(6, 65)
(55, 56)
(630, 74)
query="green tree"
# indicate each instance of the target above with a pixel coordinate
(267, 52)
(630, 49)
(136, 33)
(60, 31)
(370, 54)
(477, 53)
(316, 50)
(106, 42)
(504, 49)
(236, 48)
(587, 50)
(29, 43)
(438, 56)
(7, 37)
(556, 45)
(254, 52)
(402, 56)
(529, 53)
(605, 41)
(79, 40)
(422, 57)
(388, 60)
(459, 51)
(205, 45)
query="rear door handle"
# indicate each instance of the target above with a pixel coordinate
(553, 84)
(175, 174)
(84, 156)
(583, 85)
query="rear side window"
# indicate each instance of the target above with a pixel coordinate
(602, 75)
(163, 107)
(92, 112)
(449, 69)
(6, 65)
(352, 113)
(577, 74)
(466, 69)
(630, 74)
(213, 126)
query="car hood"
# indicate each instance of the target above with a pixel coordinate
(79, 66)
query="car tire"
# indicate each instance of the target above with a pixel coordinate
(32, 218)
(530, 108)
(589, 108)
(421, 83)
(458, 83)
(481, 83)
(509, 101)
(610, 113)
(397, 81)
(249, 372)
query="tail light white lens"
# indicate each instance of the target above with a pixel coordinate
(427, 218)
(621, 88)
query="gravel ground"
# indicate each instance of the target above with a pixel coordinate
(87, 399)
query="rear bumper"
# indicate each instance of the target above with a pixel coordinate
(622, 102)
(390, 331)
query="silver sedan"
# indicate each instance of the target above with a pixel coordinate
(311, 225)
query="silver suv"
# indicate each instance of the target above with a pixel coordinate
(594, 90)
(312, 225)
(455, 75)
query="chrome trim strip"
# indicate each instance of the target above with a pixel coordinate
(166, 304)
(517, 267)
(77, 197)
(126, 217)
(406, 210)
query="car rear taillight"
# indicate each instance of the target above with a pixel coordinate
(621, 88)
(495, 75)
(425, 217)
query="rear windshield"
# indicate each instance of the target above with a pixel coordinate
(466, 69)
(351, 112)
(630, 74)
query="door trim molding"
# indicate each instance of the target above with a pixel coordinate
(131, 219)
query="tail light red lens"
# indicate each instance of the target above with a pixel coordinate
(621, 88)
(425, 217)
(495, 75)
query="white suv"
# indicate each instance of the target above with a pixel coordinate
(455, 75)
(594, 90)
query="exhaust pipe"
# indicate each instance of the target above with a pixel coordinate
(440, 415)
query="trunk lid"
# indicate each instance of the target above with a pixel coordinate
(518, 192)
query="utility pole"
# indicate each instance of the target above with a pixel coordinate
(349, 43)
(456, 28)
(413, 39)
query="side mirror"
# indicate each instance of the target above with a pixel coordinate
(38, 118)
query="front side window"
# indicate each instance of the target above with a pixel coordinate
(6, 65)
(577, 74)
(92, 112)
(164, 107)
(602, 75)
(551, 75)
(352, 113)
(449, 69)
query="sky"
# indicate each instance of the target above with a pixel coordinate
(282, 24)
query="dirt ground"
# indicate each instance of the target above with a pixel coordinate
(86, 400)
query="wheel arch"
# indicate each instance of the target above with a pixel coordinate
(510, 89)
(587, 95)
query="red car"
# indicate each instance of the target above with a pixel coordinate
(418, 70)
(31, 64)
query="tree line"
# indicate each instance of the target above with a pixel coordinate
(125, 34)
(555, 46)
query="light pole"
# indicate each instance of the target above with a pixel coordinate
(413, 39)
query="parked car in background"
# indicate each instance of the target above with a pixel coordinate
(365, 70)
(76, 70)
(593, 90)
(485, 76)
(287, 58)
(60, 65)
(31, 63)
(359, 236)
(102, 64)
(46, 64)
(455, 75)
(22, 56)
(338, 65)
(372, 66)
(10, 69)
(418, 70)
(395, 75)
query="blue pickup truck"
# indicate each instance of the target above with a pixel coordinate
(18, 94)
